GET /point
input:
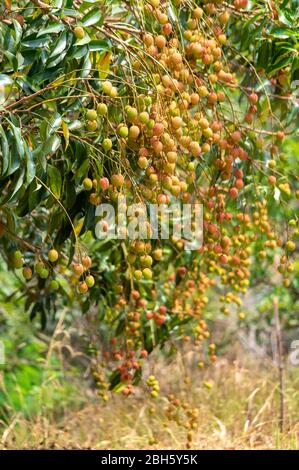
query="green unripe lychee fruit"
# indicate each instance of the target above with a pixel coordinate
(132, 113)
(107, 145)
(154, 3)
(138, 274)
(53, 255)
(39, 266)
(107, 86)
(79, 32)
(102, 109)
(150, 124)
(44, 273)
(123, 131)
(191, 166)
(290, 245)
(87, 184)
(91, 115)
(113, 92)
(54, 285)
(92, 126)
(18, 254)
(151, 379)
(146, 260)
(208, 133)
(90, 281)
(147, 273)
(144, 117)
(291, 268)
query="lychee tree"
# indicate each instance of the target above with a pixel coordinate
(156, 101)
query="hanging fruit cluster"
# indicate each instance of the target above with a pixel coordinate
(159, 115)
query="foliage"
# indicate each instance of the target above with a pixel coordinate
(30, 381)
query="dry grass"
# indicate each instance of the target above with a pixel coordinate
(239, 412)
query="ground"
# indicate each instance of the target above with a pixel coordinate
(240, 411)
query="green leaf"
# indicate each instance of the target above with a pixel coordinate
(79, 52)
(53, 27)
(69, 193)
(92, 17)
(52, 144)
(14, 187)
(5, 152)
(18, 31)
(82, 170)
(72, 12)
(295, 69)
(9, 42)
(99, 45)
(56, 60)
(281, 33)
(53, 124)
(6, 84)
(83, 41)
(115, 379)
(5, 80)
(14, 160)
(263, 54)
(30, 166)
(60, 45)
(36, 43)
(66, 133)
(55, 180)
(12, 59)
(26, 84)
(279, 64)
(18, 139)
(57, 4)
(86, 67)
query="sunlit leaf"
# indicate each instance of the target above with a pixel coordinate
(66, 133)
(55, 180)
(103, 64)
(92, 17)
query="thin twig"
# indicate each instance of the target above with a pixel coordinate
(280, 364)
